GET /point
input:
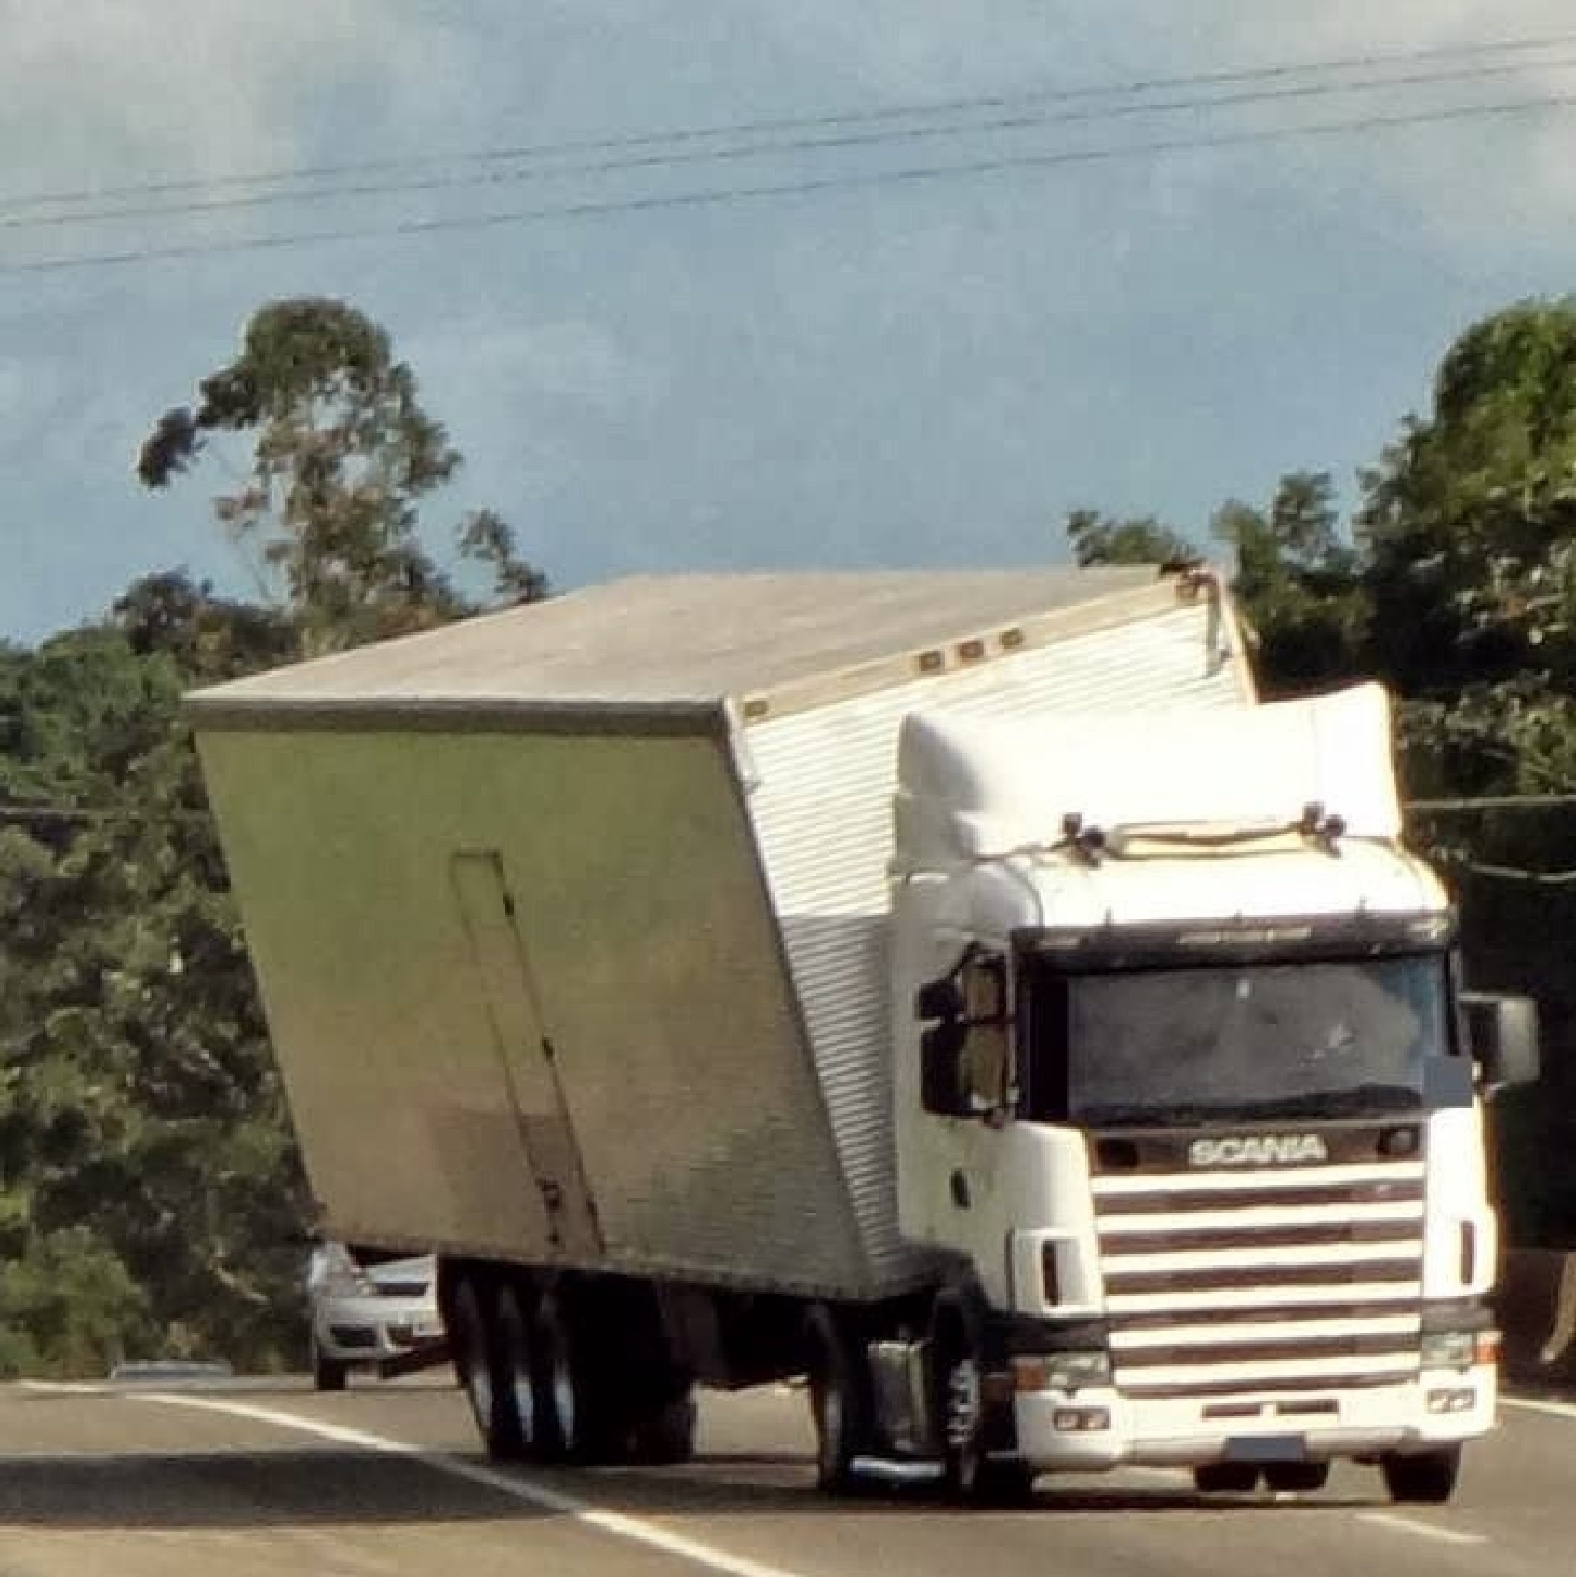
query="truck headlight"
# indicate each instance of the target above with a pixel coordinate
(1063, 1371)
(1449, 1349)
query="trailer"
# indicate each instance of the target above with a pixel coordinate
(694, 964)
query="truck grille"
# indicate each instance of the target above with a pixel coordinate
(1256, 1280)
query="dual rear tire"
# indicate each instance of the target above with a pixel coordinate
(550, 1380)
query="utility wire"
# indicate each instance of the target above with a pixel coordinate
(903, 111)
(760, 149)
(15, 814)
(913, 175)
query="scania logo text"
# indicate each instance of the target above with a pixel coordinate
(1278, 1149)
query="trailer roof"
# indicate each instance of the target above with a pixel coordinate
(687, 642)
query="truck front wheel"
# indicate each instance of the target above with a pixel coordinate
(1425, 1479)
(1226, 1478)
(965, 1426)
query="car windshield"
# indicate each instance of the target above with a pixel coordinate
(1266, 1040)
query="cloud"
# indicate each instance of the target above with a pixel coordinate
(106, 91)
(877, 374)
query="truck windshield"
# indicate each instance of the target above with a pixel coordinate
(1263, 1040)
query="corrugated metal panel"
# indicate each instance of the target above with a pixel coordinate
(823, 807)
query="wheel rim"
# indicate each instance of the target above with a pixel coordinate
(963, 1418)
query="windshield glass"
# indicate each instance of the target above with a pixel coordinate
(1265, 1040)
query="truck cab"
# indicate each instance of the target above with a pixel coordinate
(1185, 1095)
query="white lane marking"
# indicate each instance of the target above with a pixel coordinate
(635, 1529)
(1421, 1530)
(66, 1387)
(1535, 1405)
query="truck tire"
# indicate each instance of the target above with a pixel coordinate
(1425, 1479)
(578, 1401)
(1296, 1478)
(1226, 1478)
(474, 1333)
(519, 1368)
(971, 1474)
(328, 1374)
(840, 1401)
(666, 1436)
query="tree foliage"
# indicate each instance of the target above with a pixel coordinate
(151, 1197)
(1105, 539)
(343, 456)
(1455, 582)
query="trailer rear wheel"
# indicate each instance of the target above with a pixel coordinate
(474, 1332)
(579, 1418)
(519, 1368)
(1425, 1479)
(839, 1401)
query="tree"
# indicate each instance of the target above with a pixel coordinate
(1468, 535)
(1298, 585)
(142, 1132)
(343, 456)
(1105, 539)
(1469, 519)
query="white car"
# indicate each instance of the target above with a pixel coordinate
(381, 1314)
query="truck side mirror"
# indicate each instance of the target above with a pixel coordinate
(939, 1049)
(1502, 1036)
(939, 999)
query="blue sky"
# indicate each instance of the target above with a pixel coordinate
(903, 373)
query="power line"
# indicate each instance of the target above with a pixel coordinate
(842, 141)
(902, 111)
(45, 812)
(912, 176)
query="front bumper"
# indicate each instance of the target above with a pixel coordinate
(376, 1330)
(1060, 1432)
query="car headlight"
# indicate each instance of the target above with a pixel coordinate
(336, 1275)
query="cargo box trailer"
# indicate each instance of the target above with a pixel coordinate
(952, 986)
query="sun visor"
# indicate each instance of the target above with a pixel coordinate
(971, 787)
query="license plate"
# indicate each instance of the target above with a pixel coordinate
(1267, 1448)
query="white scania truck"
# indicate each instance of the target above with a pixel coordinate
(953, 987)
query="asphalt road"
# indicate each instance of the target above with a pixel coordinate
(261, 1481)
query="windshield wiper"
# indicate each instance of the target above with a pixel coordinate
(1147, 1116)
(1364, 1098)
